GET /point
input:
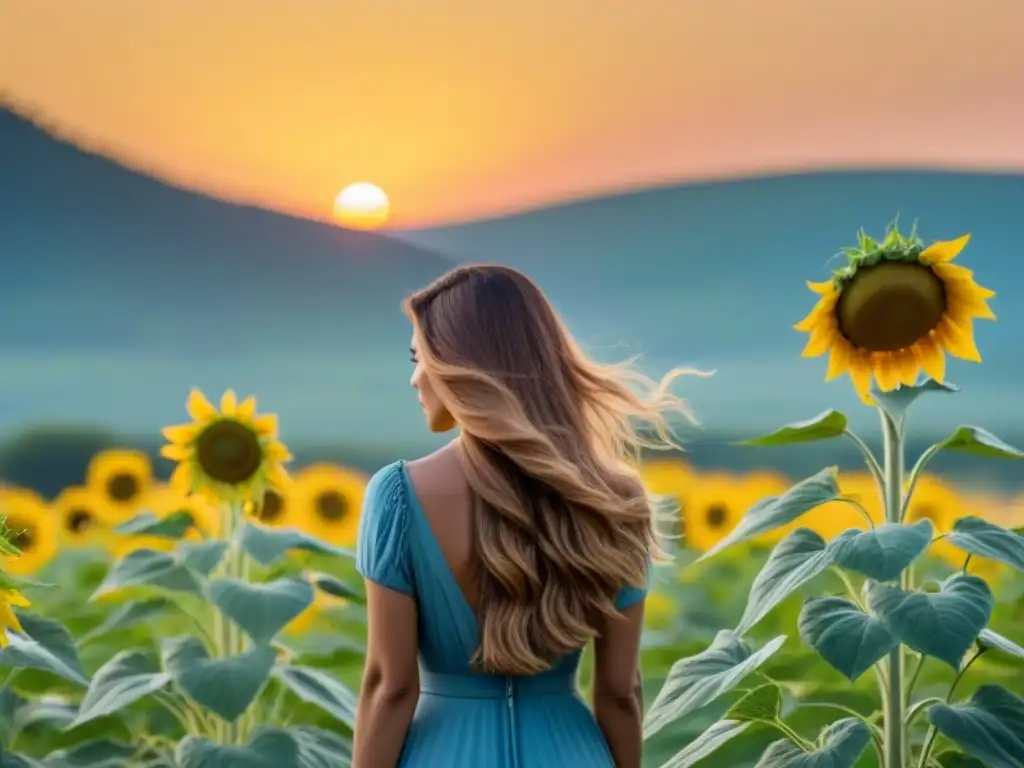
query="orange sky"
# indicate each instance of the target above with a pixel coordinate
(466, 108)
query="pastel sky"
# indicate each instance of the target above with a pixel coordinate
(469, 108)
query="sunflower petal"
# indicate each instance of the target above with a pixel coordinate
(885, 371)
(277, 476)
(819, 343)
(228, 402)
(198, 407)
(246, 409)
(278, 451)
(933, 359)
(181, 478)
(958, 340)
(14, 597)
(906, 365)
(943, 251)
(9, 619)
(183, 434)
(860, 375)
(823, 288)
(839, 360)
(175, 452)
(265, 424)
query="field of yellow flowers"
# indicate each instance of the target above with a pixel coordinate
(107, 593)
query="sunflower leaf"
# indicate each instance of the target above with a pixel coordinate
(261, 610)
(266, 545)
(174, 526)
(842, 744)
(985, 539)
(758, 705)
(843, 635)
(976, 440)
(825, 425)
(989, 640)
(882, 553)
(334, 586)
(711, 739)
(989, 727)
(896, 402)
(776, 511)
(43, 644)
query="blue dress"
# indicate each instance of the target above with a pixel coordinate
(465, 719)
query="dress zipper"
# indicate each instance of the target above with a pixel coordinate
(512, 735)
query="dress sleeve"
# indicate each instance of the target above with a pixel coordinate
(629, 595)
(382, 548)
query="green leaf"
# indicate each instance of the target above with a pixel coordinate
(985, 539)
(126, 678)
(990, 640)
(266, 545)
(147, 567)
(842, 745)
(825, 425)
(885, 552)
(174, 526)
(296, 747)
(99, 753)
(951, 758)
(759, 705)
(10, 581)
(776, 511)
(125, 616)
(896, 401)
(697, 680)
(317, 687)
(796, 559)
(714, 737)
(843, 635)
(261, 610)
(10, 759)
(977, 441)
(990, 727)
(46, 645)
(201, 557)
(943, 624)
(224, 686)
(334, 586)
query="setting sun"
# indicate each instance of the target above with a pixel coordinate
(362, 206)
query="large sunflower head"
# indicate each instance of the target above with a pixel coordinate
(229, 455)
(33, 528)
(713, 509)
(894, 310)
(84, 517)
(328, 500)
(121, 477)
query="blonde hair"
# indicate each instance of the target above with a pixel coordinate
(550, 444)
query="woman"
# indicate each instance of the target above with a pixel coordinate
(491, 563)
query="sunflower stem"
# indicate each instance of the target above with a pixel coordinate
(895, 700)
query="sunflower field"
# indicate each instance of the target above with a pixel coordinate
(214, 618)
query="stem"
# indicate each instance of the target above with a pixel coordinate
(876, 732)
(869, 459)
(915, 473)
(967, 562)
(895, 703)
(180, 714)
(917, 674)
(918, 708)
(850, 588)
(860, 508)
(793, 736)
(929, 740)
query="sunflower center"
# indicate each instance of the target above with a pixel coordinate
(24, 539)
(123, 487)
(331, 505)
(229, 452)
(715, 515)
(80, 520)
(272, 507)
(890, 306)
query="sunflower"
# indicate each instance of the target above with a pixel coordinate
(713, 509)
(34, 529)
(231, 455)
(833, 518)
(328, 499)
(308, 619)
(121, 477)
(10, 598)
(275, 509)
(84, 517)
(894, 311)
(935, 500)
(669, 479)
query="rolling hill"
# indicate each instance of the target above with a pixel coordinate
(120, 292)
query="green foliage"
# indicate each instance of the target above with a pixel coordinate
(886, 614)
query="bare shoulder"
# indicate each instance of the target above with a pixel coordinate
(438, 473)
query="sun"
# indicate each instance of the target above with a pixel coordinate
(362, 206)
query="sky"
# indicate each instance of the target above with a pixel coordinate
(462, 109)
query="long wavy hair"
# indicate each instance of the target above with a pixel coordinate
(550, 442)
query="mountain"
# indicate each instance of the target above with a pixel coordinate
(714, 275)
(119, 293)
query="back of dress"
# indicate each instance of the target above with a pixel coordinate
(465, 719)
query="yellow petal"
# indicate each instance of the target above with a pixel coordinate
(4, 642)
(885, 371)
(907, 366)
(181, 433)
(933, 359)
(823, 288)
(819, 343)
(246, 409)
(266, 424)
(958, 340)
(277, 477)
(198, 407)
(278, 452)
(14, 597)
(954, 273)
(181, 478)
(839, 360)
(860, 375)
(8, 619)
(944, 251)
(228, 403)
(819, 315)
(175, 452)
